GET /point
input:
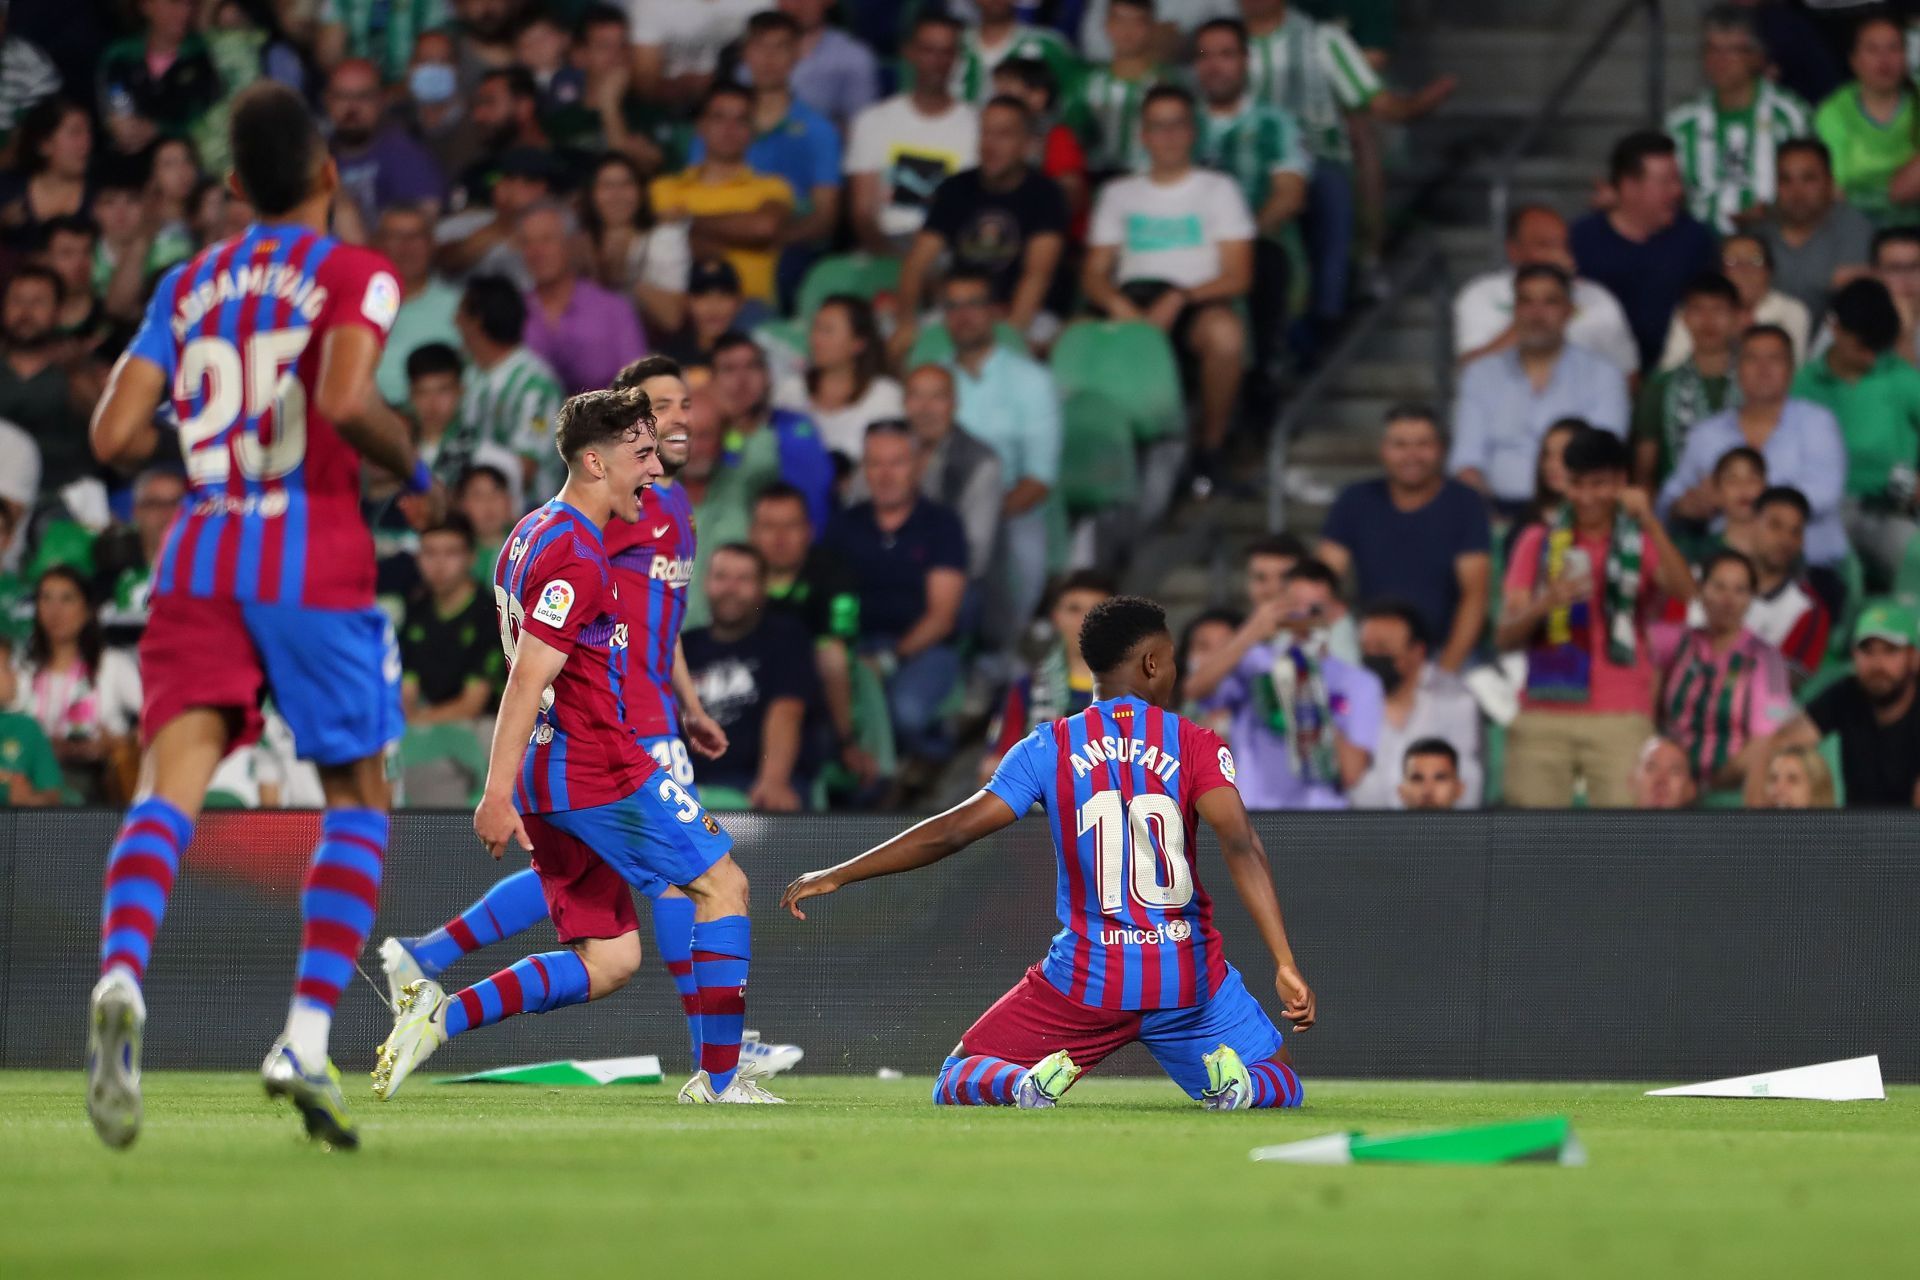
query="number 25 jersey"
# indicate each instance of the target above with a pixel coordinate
(272, 514)
(1120, 782)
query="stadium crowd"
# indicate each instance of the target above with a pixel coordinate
(967, 294)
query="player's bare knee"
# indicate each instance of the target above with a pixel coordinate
(359, 784)
(720, 891)
(610, 962)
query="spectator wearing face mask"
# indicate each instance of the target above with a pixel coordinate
(381, 166)
(1305, 723)
(1422, 702)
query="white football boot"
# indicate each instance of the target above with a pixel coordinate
(419, 1027)
(116, 1021)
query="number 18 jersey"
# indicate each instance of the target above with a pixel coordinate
(272, 514)
(1120, 782)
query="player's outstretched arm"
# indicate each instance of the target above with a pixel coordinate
(922, 845)
(536, 664)
(1253, 879)
(123, 433)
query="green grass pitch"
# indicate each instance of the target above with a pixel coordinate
(867, 1178)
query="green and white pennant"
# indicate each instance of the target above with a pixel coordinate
(572, 1072)
(1548, 1141)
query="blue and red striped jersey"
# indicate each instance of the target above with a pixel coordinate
(553, 582)
(272, 515)
(653, 565)
(1120, 782)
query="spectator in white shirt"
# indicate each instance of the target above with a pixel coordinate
(1174, 247)
(844, 389)
(1422, 701)
(904, 147)
(1483, 309)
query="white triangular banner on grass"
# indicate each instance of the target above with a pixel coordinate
(1332, 1148)
(1849, 1080)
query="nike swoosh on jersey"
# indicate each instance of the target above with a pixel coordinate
(662, 531)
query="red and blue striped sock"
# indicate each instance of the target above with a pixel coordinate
(538, 984)
(337, 906)
(721, 950)
(673, 935)
(511, 906)
(1275, 1084)
(140, 874)
(977, 1080)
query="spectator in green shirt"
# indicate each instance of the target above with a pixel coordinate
(29, 775)
(1872, 127)
(1876, 397)
(1672, 400)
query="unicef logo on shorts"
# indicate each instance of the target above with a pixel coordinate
(1178, 930)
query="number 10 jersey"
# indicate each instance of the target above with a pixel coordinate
(1120, 782)
(272, 514)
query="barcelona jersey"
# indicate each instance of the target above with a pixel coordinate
(1120, 782)
(553, 582)
(652, 563)
(272, 515)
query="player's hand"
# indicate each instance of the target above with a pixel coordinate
(774, 797)
(705, 735)
(1297, 1004)
(814, 884)
(497, 823)
(424, 509)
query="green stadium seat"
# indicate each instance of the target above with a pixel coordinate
(1099, 464)
(448, 744)
(1906, 582)
(1133, 366)
(856, 273)
(724, 799)
(933, 346)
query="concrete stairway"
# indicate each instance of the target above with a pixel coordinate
(1508, 54)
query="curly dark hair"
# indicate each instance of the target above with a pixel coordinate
(1114, 628)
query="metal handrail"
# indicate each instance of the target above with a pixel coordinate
(1424, 264)
(1500, 197)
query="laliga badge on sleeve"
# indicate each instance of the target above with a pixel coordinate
(556, 602)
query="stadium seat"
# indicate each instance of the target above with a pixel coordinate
(1906, 582)
(856, 273)
(933, 346)
(443, 751)
(1131, 363)
(1099, 467)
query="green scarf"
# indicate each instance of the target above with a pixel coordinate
(1295, 705)
(1623, 574)
(1686, 400)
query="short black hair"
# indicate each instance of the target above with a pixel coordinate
(497, 307)
(1727, 555)
(1631, 153)
(965, 273)
(1232, 26)
(1312, 569)
(768, 21)
(1416, 411)
(458, 525)
(890, 427)
(519, 81)
(1784, 495)
(43, 273)
(431, 359)
(1711, 284)
(1543, 271)
(1114, 628)
(1032, 74)
(1399, 611)
(1592, 450)
(1007, 102)
(1773, 331)
(1865, 309)
(1810, 146)
(1431, 747)
(601, 15)
(1758, 242)
(732, 340)
(67, 224)
(746, 549)
(1892, 235)
(725, 89)
(1164, 92)
(935, 18)
(481, 471)
(1522, 212)
(1740, 453)
(782, 491)
(1281, 546)
(1146, 5)
(593, 418)
(1873, 17)
(276, 147)
(645, 368)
